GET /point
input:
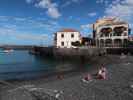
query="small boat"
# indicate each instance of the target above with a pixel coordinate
(8, 50)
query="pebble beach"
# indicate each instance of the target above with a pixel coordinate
(118, 86)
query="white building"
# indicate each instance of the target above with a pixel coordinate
(65, 38)
(110, 32)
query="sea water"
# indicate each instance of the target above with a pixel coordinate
(19, 64)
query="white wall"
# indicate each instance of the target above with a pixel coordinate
(67, 39)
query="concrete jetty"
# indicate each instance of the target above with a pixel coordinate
(69, 53)
(81, 53)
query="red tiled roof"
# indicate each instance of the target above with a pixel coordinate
(68, 30)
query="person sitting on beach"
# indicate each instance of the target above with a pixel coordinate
(60, 76)
(102, 73)
(87, 77)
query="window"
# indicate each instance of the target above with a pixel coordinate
(72, 43)
(72, 35)
(62, 35)
(125, 34)
(62, 43)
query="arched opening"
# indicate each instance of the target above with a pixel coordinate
(119, 30)
(125, 42)
(105, 32)
(108, 43)
(102, 42)
(117, 42)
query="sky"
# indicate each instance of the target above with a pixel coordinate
(34, 22)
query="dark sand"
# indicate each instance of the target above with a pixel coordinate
(119, 85)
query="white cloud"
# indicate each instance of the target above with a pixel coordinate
(86, 29)
(87, 26)
(99, 1)
(116, 1)
(52, 8)
(29, 1)
(28, 24)
(30, 36)
(53, 12)
(92, 14)
(129, 2)
(26, 30)
(105, 2)
(122, 9)
(69, 2)
(70, 17)
(19, 19)
(44, 4)
(12, 33)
